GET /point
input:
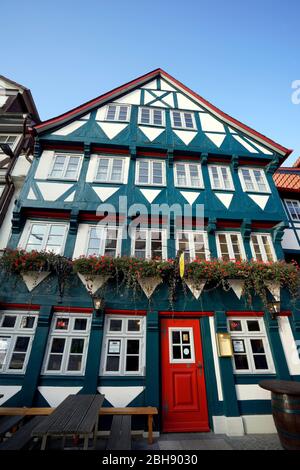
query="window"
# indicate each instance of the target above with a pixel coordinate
(155, 117)
(183, 119)
(110, 170)
(262, 247)
(293, 207)
(65, 167)
(16, 336)
(254, 179)
(250, 346)
(220, 177)
(149, 244)
(123, 350)
(188, 175)
(117, 112)
(104, 241)
(11, 140)
(150, 172)
(230, 246)
(68, 344)
(181, 345)
(193, 244)
(42, 236)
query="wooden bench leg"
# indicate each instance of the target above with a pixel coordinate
(44, 442)
(150, 429)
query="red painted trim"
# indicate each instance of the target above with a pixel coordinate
(234, 313)
(40, 214)
(112, 311)
(285, 313)
(61, 146)
(140, 153)
(72, 309)
(109, 150)
(263, 224)
(256, 162)
(86, 216)
(187, 157)
(186, 314)
(29, 307)
(156, 73)
(228, 224)
(216, 159)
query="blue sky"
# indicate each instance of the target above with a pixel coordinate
(241, 55)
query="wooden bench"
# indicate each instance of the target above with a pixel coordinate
(23, 436)
(9, 422)
(148, 411)
(120, 433)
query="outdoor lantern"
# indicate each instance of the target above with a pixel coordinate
(274, 308)
(98, 304)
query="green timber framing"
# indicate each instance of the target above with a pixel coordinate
(234, 402)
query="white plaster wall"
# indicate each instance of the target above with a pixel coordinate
(289, 241)
(251, 392)
(247, 424)
(5, 229)
(81, 240)
(20, 169)
(216, 358)
(44, 165)
(289, 346)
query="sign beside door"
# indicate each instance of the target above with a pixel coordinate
(184, 405)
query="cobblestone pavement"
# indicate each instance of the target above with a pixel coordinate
(209, 441)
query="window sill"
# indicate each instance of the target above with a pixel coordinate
(185, 128)
(62, 179)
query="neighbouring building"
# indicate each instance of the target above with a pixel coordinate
(287, 180)
(150, 141)
(17, 114)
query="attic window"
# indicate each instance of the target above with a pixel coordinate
(117, 112)
(183, 120)
(155, 117)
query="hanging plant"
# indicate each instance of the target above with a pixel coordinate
(94, 271)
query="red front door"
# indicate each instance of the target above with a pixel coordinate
(184, 406)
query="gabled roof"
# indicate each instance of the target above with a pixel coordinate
(287, 179)
(113, 94)
(26, 94)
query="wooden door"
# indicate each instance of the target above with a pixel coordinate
(184, 406)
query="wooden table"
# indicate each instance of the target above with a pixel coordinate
(149, 411)
(76, 415)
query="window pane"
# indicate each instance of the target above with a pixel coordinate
(143, 172)
(226, 178)
(145, 116)
(21, 344)
(223, 247)
(9, 321)
(188, 120)
(257, 346)
(236, 247)
(181, 174)
(58, 345)
(185, 336)
(54, 362)
(260, 362)
(77, 346)
(241, 362)
(235, 325)
(194, 175)
(117, 169)
(112, 363)
(157, 173)
(80, 324)
(247, 180)
(176, 352)
(258, 175)
(62, 323)
(111, 112)
(267, 247)
(102, 173)
(177, 119)
(133, 346)
(253, 325)
(186, 352)
(27, 322)
(215, 177)
(132, 363)
(134, 325)
(115, 325)
(176, 337)
(17, 361)
(157, 117)
(123, 110)
(4, 345)
(75, 362)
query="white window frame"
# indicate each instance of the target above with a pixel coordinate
(67, 157)
(148, 239)
(293, 202)
(253, 180)
(118, 106)
(229, 245)
(102, 232)
(67, 334)
(110, 167)
(27, 231)
(262, 247)
(247, 336)
(220, 177)
(150, 172)
(192, 345)
(151, 116)
(123, 336)
(15, 144)
(183, 126)
(14, 333)
(188, 175)
(2, 186)
(191, 234)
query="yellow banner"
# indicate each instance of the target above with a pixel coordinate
(181, 265)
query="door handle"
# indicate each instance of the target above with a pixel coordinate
(200, 367)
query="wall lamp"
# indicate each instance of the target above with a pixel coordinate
(274, 308)
(99, 304)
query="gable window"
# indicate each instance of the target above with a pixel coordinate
(230, 246)
(149, 244)
(117, 112)
(183, 120)
(11, 140)
(188, 175)
(123, 350)
(150, 172)
(250, 346)
(220, 177)
(110, 170)
(104, 241)
(293, 207)
(254, 179)
(262, 247)
(153, 116)
(41, 236)
(65, 167)
(16, 336)
(193, 244)
(68, 343)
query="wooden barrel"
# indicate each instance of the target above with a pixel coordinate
(286, 411)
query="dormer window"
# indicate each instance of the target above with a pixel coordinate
(183, 120)
(152, 116)
(117, 112)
